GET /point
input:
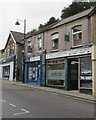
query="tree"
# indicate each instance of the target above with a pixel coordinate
(51, 20)
(32, 31)
(75, 8)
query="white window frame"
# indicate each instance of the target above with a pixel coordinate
(74, 33)
(54, 36)
(13, 47)
(39, 44)
(29, 45)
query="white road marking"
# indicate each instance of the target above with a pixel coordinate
(12, 104)
(3, 100)
(19, 113)
(25, 112)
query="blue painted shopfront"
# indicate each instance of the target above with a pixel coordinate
(33, 70)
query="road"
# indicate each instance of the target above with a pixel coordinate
(23, 102)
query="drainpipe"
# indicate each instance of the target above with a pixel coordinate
(44, 62)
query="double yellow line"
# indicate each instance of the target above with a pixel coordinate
(73, 97)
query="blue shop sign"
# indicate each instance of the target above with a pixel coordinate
(12, 51)
(27, 59)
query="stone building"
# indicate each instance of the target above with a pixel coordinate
(11, 57)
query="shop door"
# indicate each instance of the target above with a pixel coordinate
(74, 74)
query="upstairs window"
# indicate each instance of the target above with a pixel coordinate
(77, 35)
(39, 44)
(12, 49)
(29, 47)
(55, 38)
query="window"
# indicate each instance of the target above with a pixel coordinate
(6, 71)
(77, 35)
(12, 49)
(85, 72)
(55, 72)
(55, 41)
(29, 47)
(39, 44)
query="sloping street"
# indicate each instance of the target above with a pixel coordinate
(23, 102)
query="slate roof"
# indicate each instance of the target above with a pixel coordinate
(64, 21)
(17, 36)
(73, 17)
(41, 30)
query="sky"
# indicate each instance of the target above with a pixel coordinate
(35, 12)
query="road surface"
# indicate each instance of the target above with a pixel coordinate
(23, 102)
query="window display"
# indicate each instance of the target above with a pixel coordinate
(55, 73)
(6, 71)
(33, 71)
(85, 72)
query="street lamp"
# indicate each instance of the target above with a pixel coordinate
(17, 23)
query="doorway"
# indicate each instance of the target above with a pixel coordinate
(74, 74)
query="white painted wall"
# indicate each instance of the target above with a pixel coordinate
(11, 69)
(0, 70)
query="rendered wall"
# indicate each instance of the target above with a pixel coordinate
(94, 69)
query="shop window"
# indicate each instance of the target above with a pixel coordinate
(85, 72)
(6, 72)
(33, 72)
(32, 75)
(77, 35)
(55, 73)
(55, 38)
(39, 44)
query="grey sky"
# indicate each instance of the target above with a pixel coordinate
(35, 13)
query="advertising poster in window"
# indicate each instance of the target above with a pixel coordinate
(86, 72)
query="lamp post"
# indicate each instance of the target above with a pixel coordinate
(17, 23)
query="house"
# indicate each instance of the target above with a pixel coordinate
(69, 55)
(34, 46)
(68, 62)
(11, 57)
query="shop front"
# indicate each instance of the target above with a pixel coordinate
(55, 73)
(86, 75)
(79, 74)
(70, 70)
(32, 70)
(8, 68)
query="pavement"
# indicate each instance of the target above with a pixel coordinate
(71, 93)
